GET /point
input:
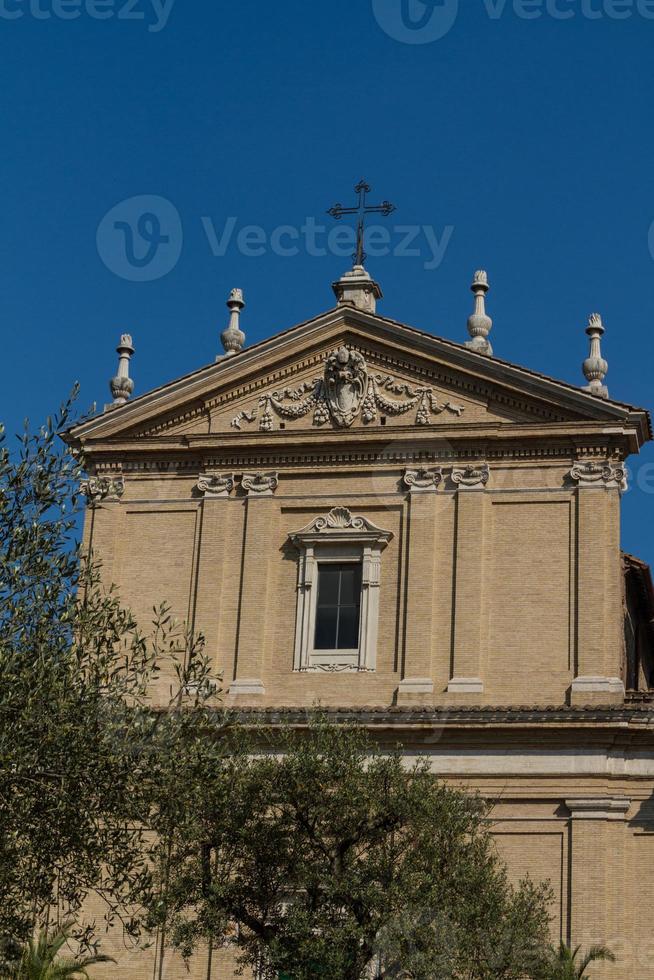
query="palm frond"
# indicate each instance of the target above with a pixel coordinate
(594, 954)
(41, 959)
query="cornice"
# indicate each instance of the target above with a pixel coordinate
(565, 442)
(250, 367)
(452, 716)
(418, 371)
(575, 435)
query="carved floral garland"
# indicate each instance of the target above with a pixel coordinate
(344, 392)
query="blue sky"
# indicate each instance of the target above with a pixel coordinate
(520, 139)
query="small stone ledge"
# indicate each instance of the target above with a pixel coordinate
(599, 807)
(416, 685)
(465, 685)
(246, 687)
(591, 689)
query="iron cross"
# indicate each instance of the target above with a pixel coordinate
(361, 209)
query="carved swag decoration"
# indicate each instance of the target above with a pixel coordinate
(346, 391)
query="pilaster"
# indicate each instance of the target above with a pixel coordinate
(103, 534)
(597, 830)
(417, 679)
(210, 571)
(599, 595)
(469, 623)
(257, 584)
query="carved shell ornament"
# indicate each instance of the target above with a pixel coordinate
(340, 517)
(346, 391)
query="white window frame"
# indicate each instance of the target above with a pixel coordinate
(338, 537)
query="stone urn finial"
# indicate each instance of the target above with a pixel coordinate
(233, 337)
(479, 323)
(122, 385)
(595, 367)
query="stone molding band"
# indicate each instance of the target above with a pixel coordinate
(585, 474)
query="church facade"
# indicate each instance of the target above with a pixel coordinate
(412, 533)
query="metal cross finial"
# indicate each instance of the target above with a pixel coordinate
(361, 209)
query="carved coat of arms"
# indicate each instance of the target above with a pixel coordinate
(346, 384)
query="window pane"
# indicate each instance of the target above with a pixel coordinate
(350, 585)
(326, 624)
(348, 628)
(328, 578)
(337, 607)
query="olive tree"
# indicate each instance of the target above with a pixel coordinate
(316, 854)
(76, 726)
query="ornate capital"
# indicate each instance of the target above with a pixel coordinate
(102, 489)
(259, 484)
(471, 477)
(423, 479)
(590, 474)
(215, 484)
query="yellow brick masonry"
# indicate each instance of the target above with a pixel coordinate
(421, 638)
(258, 576)
(599, 639)
(436, 573)
(515, 589)
(226, 565)
(469, 578)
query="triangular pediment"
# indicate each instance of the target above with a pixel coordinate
(351, 370)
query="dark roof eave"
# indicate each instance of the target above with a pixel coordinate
(640, 712)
